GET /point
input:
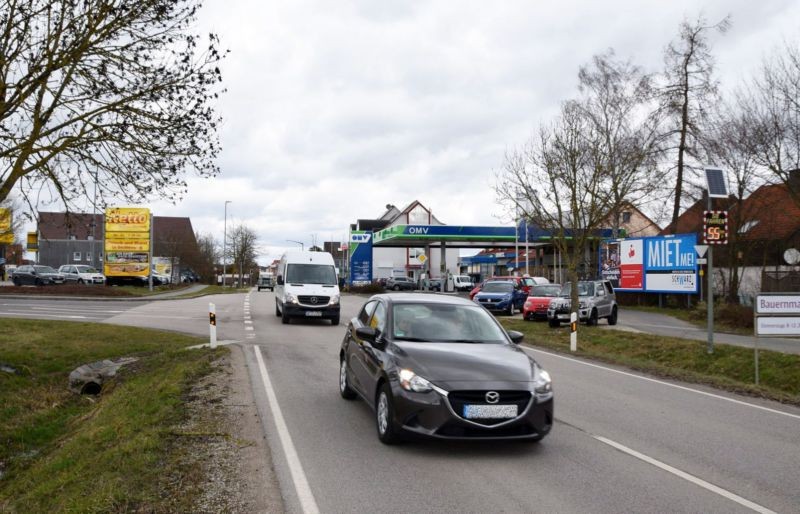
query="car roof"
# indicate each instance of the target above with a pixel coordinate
(423, 298)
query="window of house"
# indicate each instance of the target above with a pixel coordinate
(626, 217)
(76, 256)
(100, 256)
(88, 256)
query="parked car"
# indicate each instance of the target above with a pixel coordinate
(81, 274)
(36, 275)
(462, 282)
(525, 283)
(266, 282)
(538, 301)
(400, 284)
(188, 276)
(160, 279)
(597, 300)
(435, 284)
(501, 295)
(412, 358)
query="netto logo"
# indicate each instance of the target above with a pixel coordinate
(360, 238)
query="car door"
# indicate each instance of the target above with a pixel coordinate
(602, 300)
(71, 274)
(355, 359)
(373, 357)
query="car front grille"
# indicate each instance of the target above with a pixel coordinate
(458, 399)
(313, 300)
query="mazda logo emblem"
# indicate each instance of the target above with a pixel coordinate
(314, 300)
(492, 397)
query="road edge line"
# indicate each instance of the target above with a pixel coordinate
(307, 502)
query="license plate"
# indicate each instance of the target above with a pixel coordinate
(313, 314)
(490, 411)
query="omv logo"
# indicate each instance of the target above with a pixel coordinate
(360, 238)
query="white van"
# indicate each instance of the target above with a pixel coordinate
(462, 283)
(306, 287)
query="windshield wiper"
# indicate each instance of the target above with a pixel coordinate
(471, 341)
(411, 339)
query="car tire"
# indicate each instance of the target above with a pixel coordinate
(335, 321)
(612, 320)
(15, 281)
(554, 323)
(277, 310)
(396, 288)
(384, 416)
(345, 391)
(511, 310)
(592, 321)
(80, 281)
(285, 318)
(38, 282)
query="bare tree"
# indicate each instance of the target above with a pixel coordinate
(688, 93)
(243, 248)
(774, 106)
(208, 254)
(108, 92)
(558, 184)
(618, 104)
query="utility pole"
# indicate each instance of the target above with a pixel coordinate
(225, 241)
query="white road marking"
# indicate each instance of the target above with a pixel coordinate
(686, 476)
(307, 502)
(676, 386)
(248, 321)
(249, 328)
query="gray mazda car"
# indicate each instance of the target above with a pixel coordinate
(442, 367)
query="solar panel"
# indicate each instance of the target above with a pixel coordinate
(715, 183)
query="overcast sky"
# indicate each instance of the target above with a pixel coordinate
(336, 108)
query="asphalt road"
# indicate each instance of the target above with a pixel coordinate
(621, 443)
(74, 310)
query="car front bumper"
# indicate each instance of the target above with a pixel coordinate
(494, 305)
(437, 416)
(302, 311)
(583, 315)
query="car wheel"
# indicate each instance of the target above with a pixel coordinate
(592, 321)
(285, 317)
(277, 310)
(384, 416)
(612, 320)
(511, 309)
(80, 281)
(37, 282)
(554, 323)
(15, 281)
(335, 321)
(527, 317)
(344, 387)
(396, 288)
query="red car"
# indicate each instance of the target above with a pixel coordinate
(525, 283)
(539, 300)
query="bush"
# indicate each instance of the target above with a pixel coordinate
(373, 288)
(726, 314)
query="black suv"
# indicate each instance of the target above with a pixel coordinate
(36, 275)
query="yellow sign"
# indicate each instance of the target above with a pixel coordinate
(127, 242)
(127, 219)
(421, 258)
(33, 241)
(6, 233)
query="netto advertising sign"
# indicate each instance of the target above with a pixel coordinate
(127, 242)
(360, 257)
(663, 264)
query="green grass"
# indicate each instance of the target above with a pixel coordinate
(145, 291)
(729, 367)
(697, 318)
(209, 290)
(60, 452)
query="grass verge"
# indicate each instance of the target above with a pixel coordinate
(209, 290)
(729, 367)
(60, 452)
(697, 317)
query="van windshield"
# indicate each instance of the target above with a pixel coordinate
(311, 274)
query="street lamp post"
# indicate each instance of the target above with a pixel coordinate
(224, 240)
(296, 242)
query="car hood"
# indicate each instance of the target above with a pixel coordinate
(465, 362)
(494, 296)
(539, 300)
(50, 274)
(311, 289)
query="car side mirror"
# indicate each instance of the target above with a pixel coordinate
(33, 272)
(280, 280)
(516, 337)
(367, 334)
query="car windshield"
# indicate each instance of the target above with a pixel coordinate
(463, 278)
(552, 290)
(498, 287)
(87, 269)
(311, 274)
(584, 289)
(44, 269)
(433, 322)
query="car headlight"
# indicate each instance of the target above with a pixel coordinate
(410, 381)
(582, 305)
(334, 299)
(290, 298)
(542, 384)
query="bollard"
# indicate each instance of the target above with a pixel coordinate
(573, 332)
(212, 324)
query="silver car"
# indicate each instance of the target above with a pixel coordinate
(596, 300)
(81, 274)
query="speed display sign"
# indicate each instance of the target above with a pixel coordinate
(715, 227)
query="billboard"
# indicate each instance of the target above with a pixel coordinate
(6, 230)
(127, 242)
(360, 257)
(660, 264)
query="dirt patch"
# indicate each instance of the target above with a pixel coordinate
(66, 290)
(225, 460)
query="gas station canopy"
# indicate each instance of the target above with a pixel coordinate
(453, 236)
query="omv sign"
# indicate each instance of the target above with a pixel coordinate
(360, 238)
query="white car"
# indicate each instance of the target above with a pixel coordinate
(160, 279)
(81, 274)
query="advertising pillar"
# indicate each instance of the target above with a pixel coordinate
(360, 257)
(127, 242)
